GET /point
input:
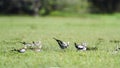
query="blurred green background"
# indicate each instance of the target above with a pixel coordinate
(58, 7)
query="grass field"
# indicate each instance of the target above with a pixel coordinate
(89, 29)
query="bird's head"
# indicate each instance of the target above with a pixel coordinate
(33, 42)
(75, 43)
(38, 43)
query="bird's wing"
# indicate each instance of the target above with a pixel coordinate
(65, 44)
(60, 42)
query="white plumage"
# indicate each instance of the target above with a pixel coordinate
(22, 50)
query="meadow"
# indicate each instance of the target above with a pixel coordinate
(14, 29)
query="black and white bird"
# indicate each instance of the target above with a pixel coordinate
(81, 47)
(37, 46)
(62, 44)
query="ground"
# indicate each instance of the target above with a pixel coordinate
(89, 29)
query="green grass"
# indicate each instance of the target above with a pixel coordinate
(14, 29)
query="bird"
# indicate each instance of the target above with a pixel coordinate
(62, 44)
(37, 44)
(22, 50)
(117, 48)
(81, 47)
(26, 45)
